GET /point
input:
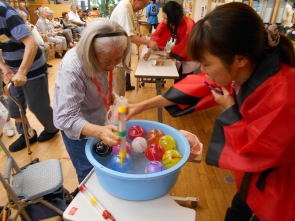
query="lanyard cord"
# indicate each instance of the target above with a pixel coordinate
(106, 104)
(132, 14)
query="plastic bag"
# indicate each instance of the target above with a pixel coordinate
(3, 116)
(37, 36)
(113, 111)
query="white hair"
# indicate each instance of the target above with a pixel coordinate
(90, 45)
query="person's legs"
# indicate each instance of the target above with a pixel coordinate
(58, 45)
(180, 74)
(119, 81)
(76, 150)
(129, 87)
(67, 33)
(80, 29)
(37, 96)
(64, 44)
(239, 210)
(20, 143)
(150, 27)
(46, 51)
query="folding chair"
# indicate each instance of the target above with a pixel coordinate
(29, 188)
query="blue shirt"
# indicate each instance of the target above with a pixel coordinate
(12, 29)
(152, 11)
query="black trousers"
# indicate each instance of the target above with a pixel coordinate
(181, 75)
(239, 211)
(151, 27)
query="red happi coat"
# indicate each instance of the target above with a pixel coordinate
(254, 135)
(163, 34)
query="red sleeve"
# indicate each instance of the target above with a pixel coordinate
(191, 95)
(263, 137)
(161, 35)
(183, 32)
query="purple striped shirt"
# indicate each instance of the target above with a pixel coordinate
(76, 99)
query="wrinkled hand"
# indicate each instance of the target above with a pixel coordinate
(107, 134)
(19, 79)
(147, 55)
(226, 100)
(195, 145)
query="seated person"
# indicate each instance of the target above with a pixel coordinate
(89, 16)
(82, 15)
(68, 24)
(74, 18)
(58, 28)
(44, 47)
(45, 27)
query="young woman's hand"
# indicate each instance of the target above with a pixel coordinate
(226, 100)
(147, 55)
(132, 110)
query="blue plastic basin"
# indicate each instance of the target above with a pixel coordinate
(139, 186)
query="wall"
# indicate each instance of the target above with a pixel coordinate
(199, 9)
(57, 9)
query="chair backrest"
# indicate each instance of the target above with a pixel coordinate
(34, 189)
(6, 177)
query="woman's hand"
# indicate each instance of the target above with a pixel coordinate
(132, 110)
(226, 100)
(147, 55)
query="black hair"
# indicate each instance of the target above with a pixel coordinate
(174, 12)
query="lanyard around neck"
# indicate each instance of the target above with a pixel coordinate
(132, 14)
(106, 104)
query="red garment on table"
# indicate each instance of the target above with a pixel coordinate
(254, 135)
(163, 34)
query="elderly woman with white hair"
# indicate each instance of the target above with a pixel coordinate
(83, 89)
(22, 7)
(44, 27)
(42, 45)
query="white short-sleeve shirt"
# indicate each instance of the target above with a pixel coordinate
(123, 17)
(74, 16)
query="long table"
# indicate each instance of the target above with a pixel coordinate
(159, 209)
(146, 70)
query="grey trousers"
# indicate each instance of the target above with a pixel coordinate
(34, 94)
(46, 50)
(67, 33)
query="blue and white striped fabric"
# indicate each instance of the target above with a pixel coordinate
(12, 29)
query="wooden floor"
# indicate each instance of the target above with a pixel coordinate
(196, 179)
